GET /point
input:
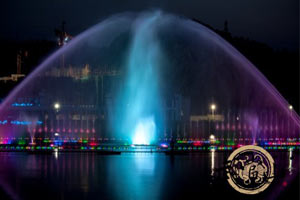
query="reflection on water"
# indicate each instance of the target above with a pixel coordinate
(145, 163)
(126, 176)
(212, 152)
(291, 161)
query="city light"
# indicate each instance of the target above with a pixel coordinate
(17, 122)
(213, 107)
(22, 104)
(290, 107)
(56, 106)
(164, 145)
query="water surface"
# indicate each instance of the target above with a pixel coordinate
(131, 176)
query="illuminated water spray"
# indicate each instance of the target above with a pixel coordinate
(143, 77)
(140, 97)
(144, 131)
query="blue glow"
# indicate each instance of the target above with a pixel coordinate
(139, 114)
(17, 122)
(3, 122)
(144, 131)
(22, 104)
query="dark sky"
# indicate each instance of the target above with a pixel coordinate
(275, 22)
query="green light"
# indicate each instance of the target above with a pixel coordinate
(21, 142)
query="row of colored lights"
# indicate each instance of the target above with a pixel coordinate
(203, 142)
(67, 139)
(60, 148)
(235, 139)
(108, 148)
(205, 148)
(195, 143)
(283, 147)
(127, 148)
(23, 142)
(28, 147)
(185, 140)
(282, 143)
(40, 130)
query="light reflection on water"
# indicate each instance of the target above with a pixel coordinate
(126, 176)
(291, 158)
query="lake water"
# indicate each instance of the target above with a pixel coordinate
(138, 176)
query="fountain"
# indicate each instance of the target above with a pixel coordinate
(140, 98)
(147, 78)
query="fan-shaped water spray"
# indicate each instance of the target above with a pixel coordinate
(143, 78)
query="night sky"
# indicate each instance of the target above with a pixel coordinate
(275, 22)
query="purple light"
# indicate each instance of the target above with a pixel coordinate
(164, 145)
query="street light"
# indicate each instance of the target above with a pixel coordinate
(56, 106)
(213, 108)
(289, 122)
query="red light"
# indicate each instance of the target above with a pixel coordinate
(197, 143)
(284, 184)
(93, 144)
